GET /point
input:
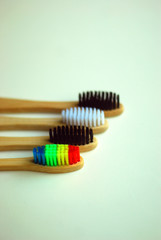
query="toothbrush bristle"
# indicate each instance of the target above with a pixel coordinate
(87, 117)
(101, 100)
(71, 135)
(56, 155)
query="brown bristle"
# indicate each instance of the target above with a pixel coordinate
(101, 100)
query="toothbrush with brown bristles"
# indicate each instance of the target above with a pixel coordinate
(109, 102)
(80, 136)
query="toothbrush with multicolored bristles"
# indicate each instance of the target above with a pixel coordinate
(47, 159)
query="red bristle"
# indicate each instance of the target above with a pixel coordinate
(70, 155)
(74, 154)
(74, 157)
(78, 154)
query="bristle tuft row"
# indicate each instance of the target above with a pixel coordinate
(87, 117)
(101, 100)
(71, 135)
(56, 155)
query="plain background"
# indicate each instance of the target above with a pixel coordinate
(52, 50)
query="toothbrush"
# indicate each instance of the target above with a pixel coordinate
(74, 117)
(62, 135)
(107, 101)
(48, 159)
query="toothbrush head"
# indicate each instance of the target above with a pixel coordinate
(56, 155)
(71, 135)
(98, 99)
(87, 117)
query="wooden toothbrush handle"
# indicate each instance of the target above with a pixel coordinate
(9, 105)
(28, 143)
(27, 164)
(16, 164)
(22, 143)
(43, 124)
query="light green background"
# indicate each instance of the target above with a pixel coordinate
(53, 50)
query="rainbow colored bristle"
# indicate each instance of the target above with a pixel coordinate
(56, 155)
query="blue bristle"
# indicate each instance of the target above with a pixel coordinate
(39, 154)
(35, 155)
(43, 155)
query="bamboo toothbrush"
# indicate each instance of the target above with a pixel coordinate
(107, 101)
(71, 117)
(48, 159)
(83, 137)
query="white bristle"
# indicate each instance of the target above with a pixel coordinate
(83, 117)
(86, 117)
(94, 117)
(75, 117)
(79, 110)
(67, 116)
(90, 118)
(71, 116)
(63, 116)
(98, 117)
(78, 117)
(75, 110)
(71, 110)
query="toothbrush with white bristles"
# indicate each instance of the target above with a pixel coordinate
(87, 117)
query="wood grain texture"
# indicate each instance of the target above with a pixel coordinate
(16, 123)
(42, 124)
(9, 105)
(27, 164)
(28, 143)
